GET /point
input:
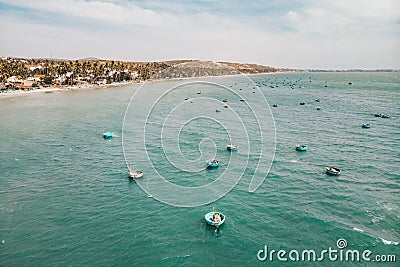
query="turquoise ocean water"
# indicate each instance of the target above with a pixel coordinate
(65, 198)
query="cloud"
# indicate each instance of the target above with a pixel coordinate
(310, 33)
(99, 11)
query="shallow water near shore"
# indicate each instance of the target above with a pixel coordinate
(65, 198)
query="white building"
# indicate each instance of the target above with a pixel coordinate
(35, 67)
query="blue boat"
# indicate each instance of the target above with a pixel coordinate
(212, 163)
(215, 218)
(301, 147)
(217, 110)
(385, 116)
(365, 125)
(332, 171)
(107, 135)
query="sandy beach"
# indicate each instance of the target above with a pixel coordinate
(16, 93)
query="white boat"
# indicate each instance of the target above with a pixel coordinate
(135, 174)
(232, 147)
(332, 171)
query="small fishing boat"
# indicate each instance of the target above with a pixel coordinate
(319, 108)
(275, 105)
(212, 163)
(332, 171)
(385, 116)
(225, 100)
(225, 106)
(135, 174)
(242, 100)
(365, 125)
(215, 218)
(199, 92)
(378, 115)
(302, 103)
(107, 135)
(217, 110)
(317, 100)
(301, 147)
(232, 147)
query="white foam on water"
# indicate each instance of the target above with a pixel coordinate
(388, 242)
(358, 230)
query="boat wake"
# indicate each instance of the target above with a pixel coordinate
(177, 257)
(388, 242)
(358, 230)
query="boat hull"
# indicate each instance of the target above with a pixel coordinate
(332, 171)
(209, 218)
(212, 165)
(107, 135)
(135, 175)
(301, 148)
(232, 148)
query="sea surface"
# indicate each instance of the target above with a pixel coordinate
(66, 200)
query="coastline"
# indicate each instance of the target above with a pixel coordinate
(19, 93)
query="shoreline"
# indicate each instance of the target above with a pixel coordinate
(19, 93)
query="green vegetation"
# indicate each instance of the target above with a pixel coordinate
(17, 73)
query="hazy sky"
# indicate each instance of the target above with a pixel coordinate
(293, 33)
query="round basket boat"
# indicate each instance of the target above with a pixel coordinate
(212, 163)
(107, 135)
(232, 147)
(135, 174)
(366, 125)
(301, 147)
(332, 171)
(210, 218)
